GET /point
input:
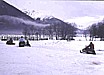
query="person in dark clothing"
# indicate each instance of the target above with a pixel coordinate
(27, 43)
(10, 42)
(91, 46)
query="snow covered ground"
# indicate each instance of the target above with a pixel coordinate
(51, 57)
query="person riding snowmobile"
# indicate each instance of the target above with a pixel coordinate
(89, 49)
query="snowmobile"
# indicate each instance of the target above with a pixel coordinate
(9, 42)
(88, 51)
(21, 44)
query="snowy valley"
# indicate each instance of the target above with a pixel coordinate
(51, 57)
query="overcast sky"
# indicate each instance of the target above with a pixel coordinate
(83, 13)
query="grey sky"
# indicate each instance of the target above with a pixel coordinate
(64, 10)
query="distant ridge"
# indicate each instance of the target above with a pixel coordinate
(7, 9)
(12, 19)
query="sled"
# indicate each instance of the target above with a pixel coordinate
(88, 51)
(28, 45)
(10, 43)
(21, 44)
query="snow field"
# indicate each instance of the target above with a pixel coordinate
(51, 57)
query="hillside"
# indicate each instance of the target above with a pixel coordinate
(12, 20)
(7, 9)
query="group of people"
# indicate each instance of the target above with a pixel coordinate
(22, 42)
(89, 49)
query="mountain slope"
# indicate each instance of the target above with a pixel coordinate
(7, 9)
(52, 20)
(12, 20)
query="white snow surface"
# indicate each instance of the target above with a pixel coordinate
(51, 57)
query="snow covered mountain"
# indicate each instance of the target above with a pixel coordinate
(12, 20)
(52, 20)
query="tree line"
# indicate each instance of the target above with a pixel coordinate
(59, 30)
(97, 31)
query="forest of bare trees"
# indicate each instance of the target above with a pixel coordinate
(97, 31)
(60, 30)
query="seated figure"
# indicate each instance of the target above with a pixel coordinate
(27, 43)
(10, 42)
(21, 42)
